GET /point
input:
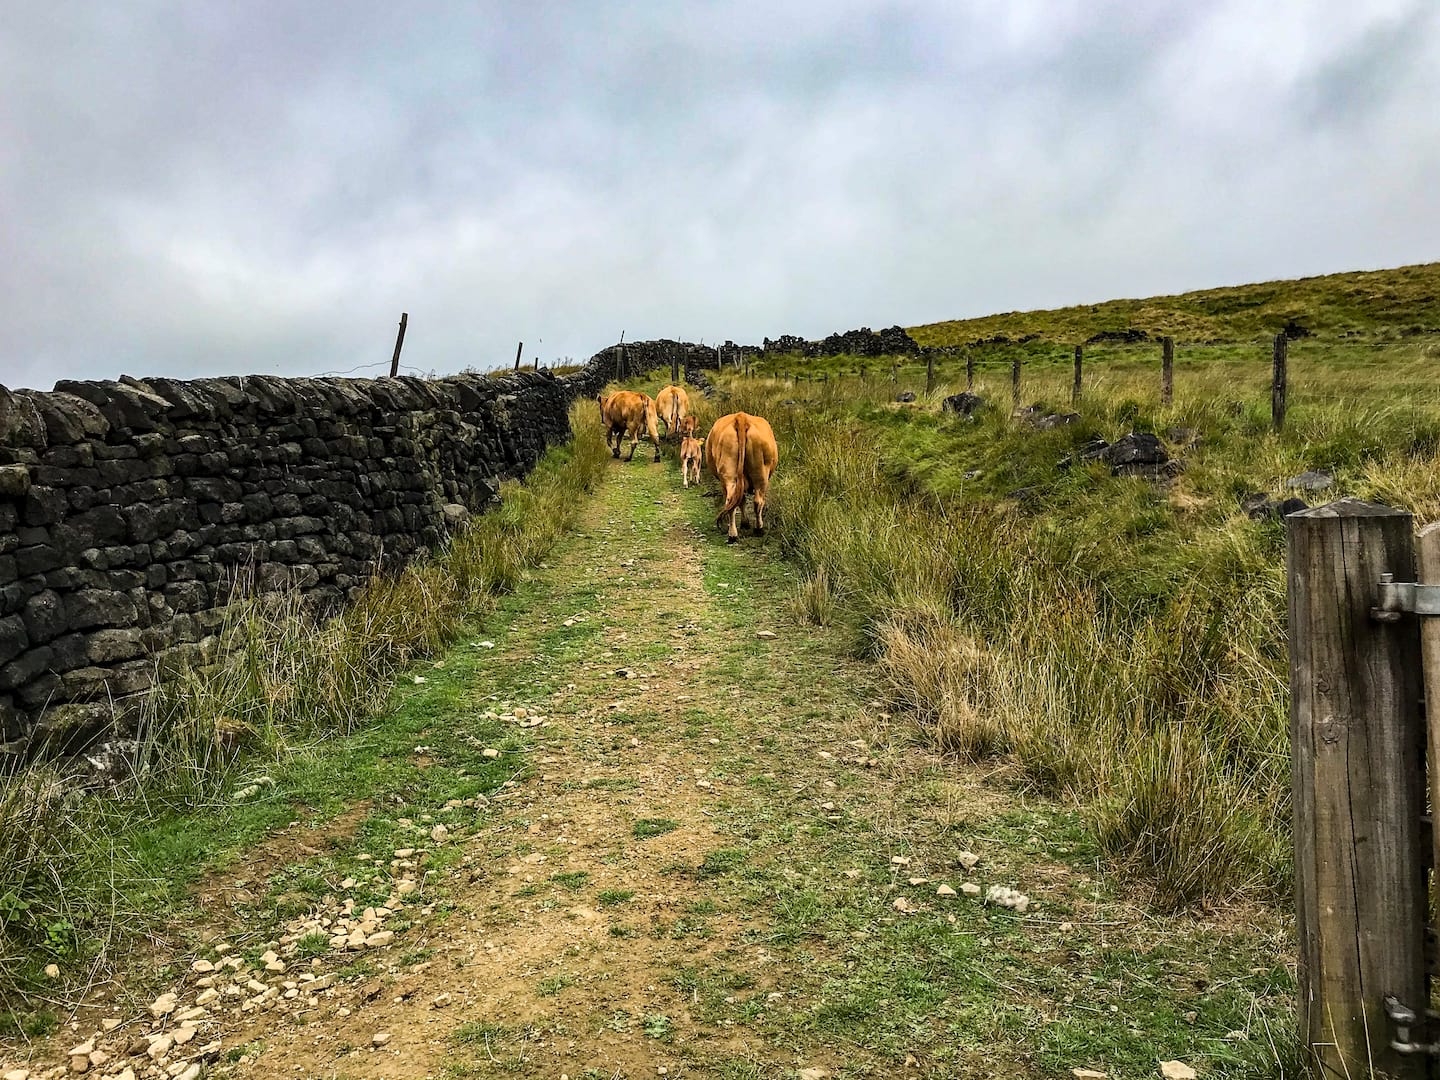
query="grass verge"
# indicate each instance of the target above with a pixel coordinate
(252, 742)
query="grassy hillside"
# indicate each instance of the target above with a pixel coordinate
(1379, 305)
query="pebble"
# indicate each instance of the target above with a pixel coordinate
(441, 1001)
(490, 752)
(404, 852)
(52, 971)
(1088, 1074)
(110, 1023)
(970, 889)
(406, 887)
(164, 1005)
(202, 967)
(899, 860)
(967, 859)
(380, 1038)
(1176, 1070)
(380, 939)
(439, 834)
(944, 890)
(766, 635)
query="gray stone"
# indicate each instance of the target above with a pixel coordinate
(14, 481)
(1311, 480)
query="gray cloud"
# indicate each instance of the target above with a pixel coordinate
(207, 188)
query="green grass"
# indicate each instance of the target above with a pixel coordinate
(1120, 641)
(293, 722)
(1367, 305)
(647, 828)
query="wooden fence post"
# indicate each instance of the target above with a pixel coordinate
(1427, 552)
(1167, 370)
(969, 372)
(1278, 384)
(519, 348)
(1075, 385)
(1015, 382)
(1357, 744)
(930, 373)
(399, 341)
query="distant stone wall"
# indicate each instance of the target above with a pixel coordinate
(129, 510)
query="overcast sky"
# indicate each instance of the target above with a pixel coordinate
(244, 186)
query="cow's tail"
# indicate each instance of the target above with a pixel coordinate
(742, 428)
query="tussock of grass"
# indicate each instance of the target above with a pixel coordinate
(1121, 641)
(72, 867)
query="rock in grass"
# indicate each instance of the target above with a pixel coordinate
(968, 859)
(52, 971)
(164, 1005)
(766, 635)
(1088, 1074)
(944, 890)
(1006, 897)
(490, 752)
(439, 834)
(380, 1038)
(970, 889)
(1176, 1070)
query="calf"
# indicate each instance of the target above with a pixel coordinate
(690, 455)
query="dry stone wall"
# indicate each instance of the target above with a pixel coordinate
(131, 511)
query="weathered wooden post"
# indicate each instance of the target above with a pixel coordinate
(1278, 384)
(399, 341)
(969, 372)
(1357, 743)
(1075, 385)
(1015, 382)
(519, 348)
(1167, 370)
(930, 372)
(1427, 551)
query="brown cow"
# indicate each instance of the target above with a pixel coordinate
(687, 427)
(741, 452)
(627, 412)
(690, 456)
(672, 404)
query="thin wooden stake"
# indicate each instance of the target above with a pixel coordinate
(969, 372)
(1358, 767)
(399, 341)
(930, 373)
(1279, 385)
(1015, 381)
(1075, 385)
(519, 348)
(1167, 370)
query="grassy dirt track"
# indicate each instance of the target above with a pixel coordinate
(716, 855)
